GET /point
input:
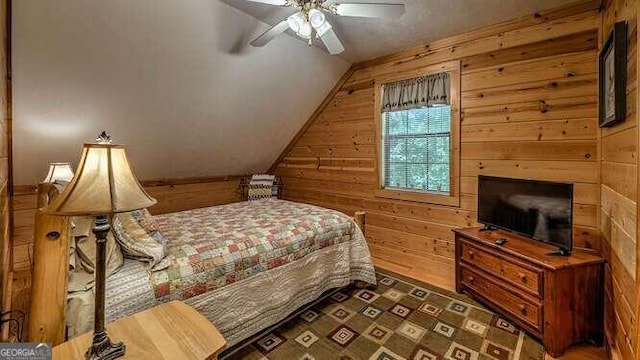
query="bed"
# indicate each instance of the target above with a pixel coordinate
(246, 266)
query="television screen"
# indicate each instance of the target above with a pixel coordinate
(538, 209)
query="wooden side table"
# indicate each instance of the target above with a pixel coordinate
(172, 330)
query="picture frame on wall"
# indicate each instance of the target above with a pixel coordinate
(612, 77)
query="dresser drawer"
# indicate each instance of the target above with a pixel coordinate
(522, 309)
(527, 278)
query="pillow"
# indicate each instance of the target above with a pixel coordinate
(259, 192)
(149, 225)
(138, 236)
(83, 253)
(262, 179)
(80, 312)
(262, 187)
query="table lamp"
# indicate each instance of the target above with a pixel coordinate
(104, 184)
(59, 171)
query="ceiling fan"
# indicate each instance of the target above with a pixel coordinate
(310, 19)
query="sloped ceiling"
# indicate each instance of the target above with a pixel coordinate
(423, 22)
(176, 82)
(172, 80)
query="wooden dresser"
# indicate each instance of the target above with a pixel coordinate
(558, 300)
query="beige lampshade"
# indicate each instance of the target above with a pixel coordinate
(59, 171)
(104, 184)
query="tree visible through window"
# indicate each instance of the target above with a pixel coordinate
(416, 148)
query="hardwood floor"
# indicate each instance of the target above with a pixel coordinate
(439, 272)
(436, 270)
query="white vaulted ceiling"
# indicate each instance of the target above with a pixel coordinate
(178, 84)
(424, 21)
(175, 81)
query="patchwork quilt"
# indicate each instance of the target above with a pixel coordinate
(217, 246)
(245, 266)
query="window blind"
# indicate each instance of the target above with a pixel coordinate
(416, 148)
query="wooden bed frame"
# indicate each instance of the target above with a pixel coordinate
(47, 313)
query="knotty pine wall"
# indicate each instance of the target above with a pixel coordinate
(529, 110)
(619, 177)
(172, 196)
(5, 126)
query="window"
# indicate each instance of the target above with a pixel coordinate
(418, 129)
(416, 148)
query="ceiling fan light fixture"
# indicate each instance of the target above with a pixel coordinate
(311, 18)
(322, 29)
(296, 21)
(316, 18)
(293, 24)
(305, 30)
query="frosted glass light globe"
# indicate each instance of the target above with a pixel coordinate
(305, 30)
(293, 24)
(316, 18)
(295, 21)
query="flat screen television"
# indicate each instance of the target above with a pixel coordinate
(540, 210)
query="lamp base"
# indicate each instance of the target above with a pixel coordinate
(103, 349)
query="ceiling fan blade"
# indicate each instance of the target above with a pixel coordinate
(331, 41)
(271, 2)
(370, 10)
(268, 35)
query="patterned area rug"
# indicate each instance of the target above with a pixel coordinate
(401, 319)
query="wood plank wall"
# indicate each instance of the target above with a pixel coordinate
(172, 196)
(529, 110)
(619, 185)
(5, 176)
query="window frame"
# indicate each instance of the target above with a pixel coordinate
(453, 198)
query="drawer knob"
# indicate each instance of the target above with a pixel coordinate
(523, 309)
(522, 277)
(471, 254)
(471, 279)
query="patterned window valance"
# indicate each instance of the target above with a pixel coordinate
(416, 93)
